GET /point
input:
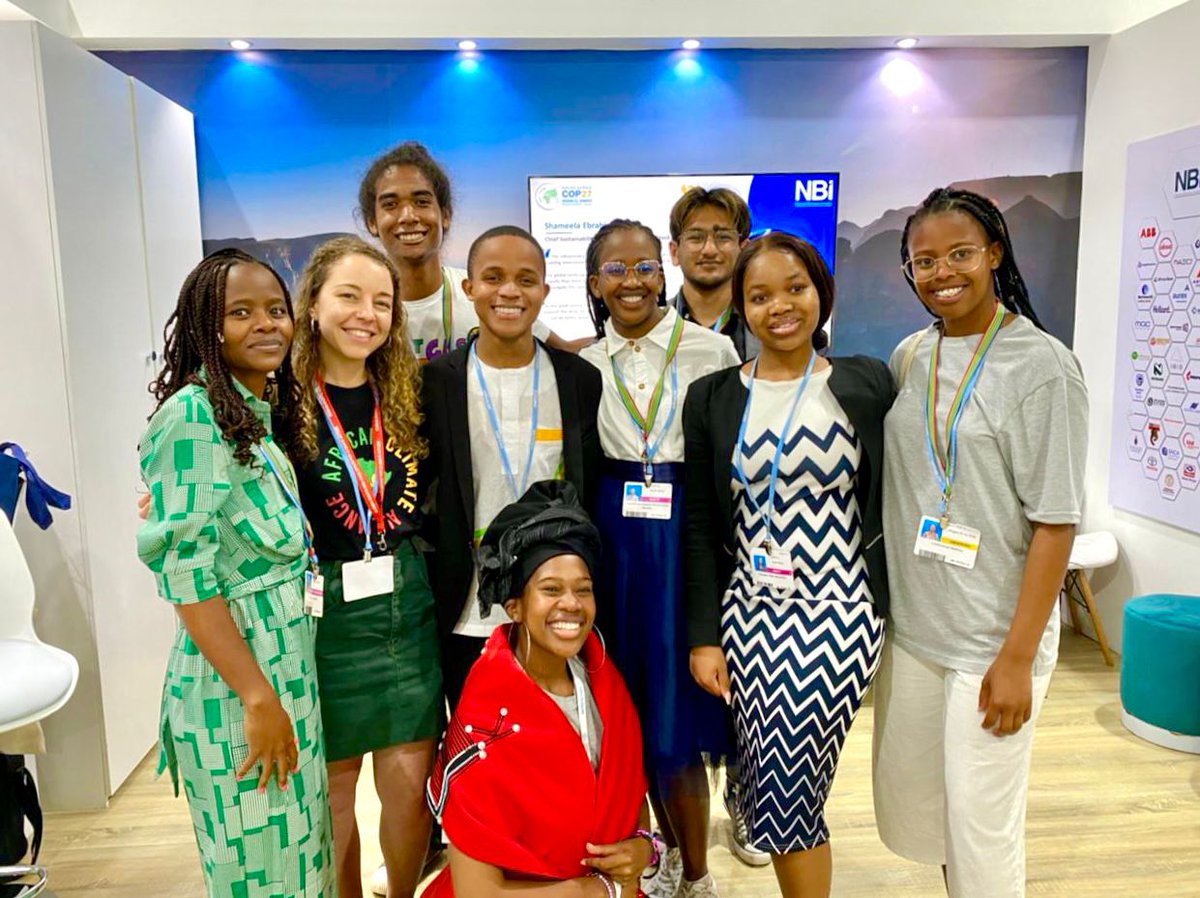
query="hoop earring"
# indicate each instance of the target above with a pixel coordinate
(313, 323)
(528, 642)
(603, 650)
(220, 338)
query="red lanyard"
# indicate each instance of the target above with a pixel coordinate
(370, 491)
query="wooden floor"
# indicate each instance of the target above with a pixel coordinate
(1109, 815)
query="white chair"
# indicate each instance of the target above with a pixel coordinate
(35, 679)
(1090, 552)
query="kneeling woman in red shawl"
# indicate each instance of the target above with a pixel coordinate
(539, 783)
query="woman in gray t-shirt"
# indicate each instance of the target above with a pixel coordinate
(983, 486)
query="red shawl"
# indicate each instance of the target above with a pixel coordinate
(512, 783)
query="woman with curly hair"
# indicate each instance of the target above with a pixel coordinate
(356, 446)
(227, 541)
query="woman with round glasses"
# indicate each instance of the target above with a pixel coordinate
(984, 451)
(648, 356)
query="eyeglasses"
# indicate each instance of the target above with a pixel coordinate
(722, 237)
(618, 271)
(961, 259)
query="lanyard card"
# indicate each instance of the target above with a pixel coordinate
(368, 578)
(772, 567)
(314, 594)
(950, 543)
(643, 500)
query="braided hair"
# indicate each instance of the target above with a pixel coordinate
(596, 306)
(1007, 281)
(192, 340)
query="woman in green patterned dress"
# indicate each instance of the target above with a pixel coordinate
(226, 539)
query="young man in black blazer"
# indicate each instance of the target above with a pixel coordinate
(500, 413)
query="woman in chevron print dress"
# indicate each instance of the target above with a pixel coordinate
(786, 583)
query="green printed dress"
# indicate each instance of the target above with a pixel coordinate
(220, 528)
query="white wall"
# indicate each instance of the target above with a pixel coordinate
(100, 193)
(34, 412)
(1142, 82)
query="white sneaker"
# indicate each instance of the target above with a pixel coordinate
(704, 887)
(379, 881)
(739, 834)
(663, 880)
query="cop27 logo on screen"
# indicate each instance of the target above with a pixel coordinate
(815, 191)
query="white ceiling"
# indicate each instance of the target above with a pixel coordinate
(632, 24)
(10, 13)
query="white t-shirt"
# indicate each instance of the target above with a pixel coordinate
(427, 320)
(641, 361)
(511, 392)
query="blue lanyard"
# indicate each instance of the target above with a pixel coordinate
(958, 406)
(649, 451)
(787, 426)
(494, 421)
(946, 481)
(287, 491)
(364, 514)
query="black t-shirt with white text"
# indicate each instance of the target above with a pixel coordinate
(326, 492)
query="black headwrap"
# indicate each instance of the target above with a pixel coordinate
(547, 521)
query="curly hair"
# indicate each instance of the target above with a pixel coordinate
(192, 340)
(392, 368)
(408, 153)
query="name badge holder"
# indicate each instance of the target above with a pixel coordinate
(494, 422)
(770, 566)
(372, 576)
(938, 539)
(650, 500)
(314, 583)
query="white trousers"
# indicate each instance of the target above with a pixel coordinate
(947, 791)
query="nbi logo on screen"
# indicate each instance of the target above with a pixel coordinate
(816, 191)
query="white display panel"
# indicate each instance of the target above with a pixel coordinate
(564, 213)
(1155, 450)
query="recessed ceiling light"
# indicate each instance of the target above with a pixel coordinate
(901, 77)
(239, 44)
(467, 45)
(906, 43)
(691, 44)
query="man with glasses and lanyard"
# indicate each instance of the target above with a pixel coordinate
(708, 229)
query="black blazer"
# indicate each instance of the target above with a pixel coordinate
(711, 416)
(450, 528)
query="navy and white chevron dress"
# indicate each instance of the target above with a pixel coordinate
(800, 659)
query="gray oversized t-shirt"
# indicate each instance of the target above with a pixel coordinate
(1022, 444)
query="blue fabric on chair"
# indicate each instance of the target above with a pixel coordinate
(1160, 662)
(39, 495)
(10, 485)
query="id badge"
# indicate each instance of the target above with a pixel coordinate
(366, 579)
(950, 544)
(651, 501)
(314, 594)
(772, 568)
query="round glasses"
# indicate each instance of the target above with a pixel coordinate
(618, 271)
(961, 259)
(723, 238)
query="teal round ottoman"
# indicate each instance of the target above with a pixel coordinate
(1160, 670)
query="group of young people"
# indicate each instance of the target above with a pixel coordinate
(679, 547)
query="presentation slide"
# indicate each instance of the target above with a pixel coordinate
(564, 213)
